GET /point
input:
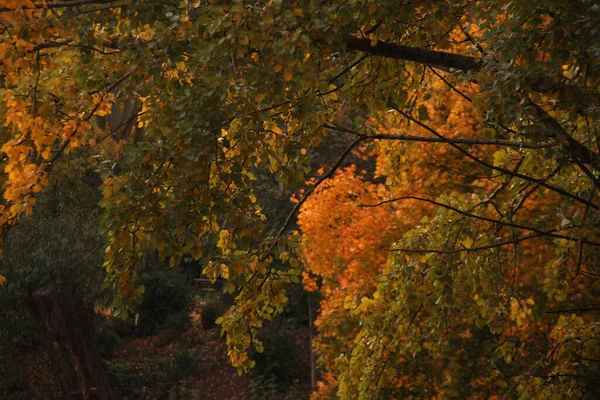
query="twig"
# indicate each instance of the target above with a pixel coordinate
(429, 139)
(86, 257)
(499, 169)
(354, 64)
(573, 310)
(329, 174)
(517, 240)
(482, 218)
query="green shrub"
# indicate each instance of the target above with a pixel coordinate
(167, 300)
(108, 339)
(281, 356)
(126, 379)
(184, 365)
(263, 387)
(184, 391)
(211, 310)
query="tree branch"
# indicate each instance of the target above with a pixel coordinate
(49, 45)
(549, 233)
(56, 4)
(329, 174)
(573, 310)
(500, 169)
(570, 144)
(446, 60)
(429, 139)
(479, 248)
(424, 56)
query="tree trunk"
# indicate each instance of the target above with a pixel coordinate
(313, 368)
(71, 343)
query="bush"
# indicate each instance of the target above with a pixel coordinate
(183, 365)
(159, 376)
(167, 300)
(211, 310)
(48, 246)
(108, 339)
(184, 391)
(125, 379)
(263, 388)
(281, 356)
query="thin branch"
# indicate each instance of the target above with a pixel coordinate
(37, 82)
(56, 4)
(472, 40)
(515, 241)
(97, 50)
(86, 256)
(577, 150)
(374, 28)
(80, 12)
(499, 169)
(50, 45)
(482, 218)
(429, 139)
(573, 310)
(329, 174)
(62, 148)
(354, 64)
(450, 85)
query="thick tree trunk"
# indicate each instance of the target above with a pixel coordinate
(71, 343)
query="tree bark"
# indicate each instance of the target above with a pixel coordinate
(440, 59)
(71, 343)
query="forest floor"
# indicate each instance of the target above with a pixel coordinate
(187, 365)
(198, 360)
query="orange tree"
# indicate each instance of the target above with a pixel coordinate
(349, 225)
(502, 270)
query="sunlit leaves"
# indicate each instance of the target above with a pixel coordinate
(447, 282)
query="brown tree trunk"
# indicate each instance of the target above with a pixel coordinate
(71, 343)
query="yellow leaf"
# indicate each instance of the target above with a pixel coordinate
(467, 242)
(224, 271)
(288, 75)
(2, 280)
(223, 239)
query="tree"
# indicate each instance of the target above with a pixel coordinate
(508, 248)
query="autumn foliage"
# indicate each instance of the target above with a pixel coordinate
(462, 263)
(350, 225)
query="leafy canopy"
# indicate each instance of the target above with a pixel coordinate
(485, 111)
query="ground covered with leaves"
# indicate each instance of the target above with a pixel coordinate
(169, 364)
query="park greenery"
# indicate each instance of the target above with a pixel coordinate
(430, 168)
